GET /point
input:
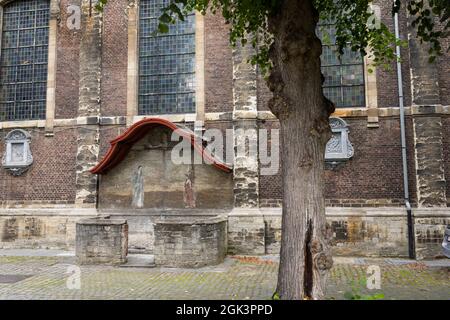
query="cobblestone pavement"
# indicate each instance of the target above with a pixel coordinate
(237, 278)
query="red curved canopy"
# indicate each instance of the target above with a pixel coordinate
(121, 145)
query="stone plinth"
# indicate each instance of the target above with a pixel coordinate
(101, 241)
(190, 242)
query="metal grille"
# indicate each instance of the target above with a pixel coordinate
(24, 51)
(344, 75)
(166, 63)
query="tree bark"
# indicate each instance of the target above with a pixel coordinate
(303, 112)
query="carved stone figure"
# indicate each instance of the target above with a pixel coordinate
(138, 189)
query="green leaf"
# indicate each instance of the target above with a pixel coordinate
(175, 9)
(163, 28)
(165, 18)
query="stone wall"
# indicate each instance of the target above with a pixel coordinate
(429, 231)
(364, 232)
(372, 232)
(431, 183)
(40, 228)
(367, 232)
(446, 153)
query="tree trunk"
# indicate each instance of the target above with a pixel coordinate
(303, 112)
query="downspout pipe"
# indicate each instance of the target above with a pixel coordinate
(411, 238)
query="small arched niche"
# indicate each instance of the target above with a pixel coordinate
(17, 158)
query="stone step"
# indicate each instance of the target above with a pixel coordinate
(138, 251)
(139, 261)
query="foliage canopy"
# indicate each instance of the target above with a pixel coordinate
(357, 25)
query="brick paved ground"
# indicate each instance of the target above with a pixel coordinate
(237, 278)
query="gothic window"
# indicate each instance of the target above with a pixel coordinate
(344, 75)
(166, 63)
(24, 54)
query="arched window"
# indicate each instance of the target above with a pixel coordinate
(166, 63)
(24, 55)
(344, 75)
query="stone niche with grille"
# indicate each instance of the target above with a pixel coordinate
(17, 158)
(101, 240)
(190, 242)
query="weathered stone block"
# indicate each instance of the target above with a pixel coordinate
(190, 242)
(101, 241)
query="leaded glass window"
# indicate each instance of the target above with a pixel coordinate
(24, 51)
(344, 75)
(166, 63)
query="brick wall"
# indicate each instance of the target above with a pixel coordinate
(270, 185)
(114, 59)
(218, 66)
(444, 71)
(67, 70)
(374, 172)
(387, 79)
(51, 178)
(373, 177)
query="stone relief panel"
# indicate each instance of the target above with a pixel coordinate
(339, 147)
(17, 158)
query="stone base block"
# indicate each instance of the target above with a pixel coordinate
(190, 242)
(101, 241)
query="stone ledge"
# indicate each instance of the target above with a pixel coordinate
(211, 214)
(371, 212)
(184, 220)
(182, 117)
(250, 212)
(245, 115)
(223, 116)
(71, 212)
(101, 221)
(166, 212)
